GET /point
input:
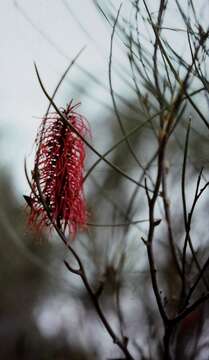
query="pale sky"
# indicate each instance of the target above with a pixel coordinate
(22, 43)
(46, 32)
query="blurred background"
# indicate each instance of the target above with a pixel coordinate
(45, 312)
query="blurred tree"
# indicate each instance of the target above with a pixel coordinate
(25, 280)
(144, 260)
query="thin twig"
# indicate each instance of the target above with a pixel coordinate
(66, 122)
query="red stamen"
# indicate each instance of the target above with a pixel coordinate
(60, 163)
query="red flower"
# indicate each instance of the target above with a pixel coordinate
(60, 163)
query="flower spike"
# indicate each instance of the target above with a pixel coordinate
(59, 173)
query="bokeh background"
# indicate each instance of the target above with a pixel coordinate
(43, 309)
(45, 312)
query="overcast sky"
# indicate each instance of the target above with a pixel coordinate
(51, 33)
(47, 33)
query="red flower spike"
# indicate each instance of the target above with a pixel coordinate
(60, 163)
